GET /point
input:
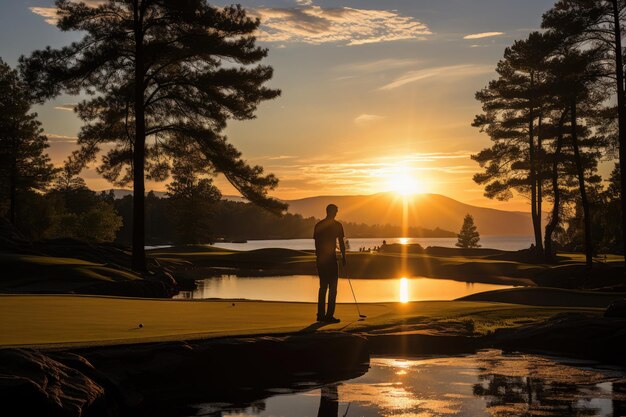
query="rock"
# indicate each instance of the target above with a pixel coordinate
(616, 309)
(36, 384)
(226, 369)
(147, 378)
(579, 335)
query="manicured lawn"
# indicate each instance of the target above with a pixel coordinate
(73, 320)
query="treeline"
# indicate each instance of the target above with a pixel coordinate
(168, 221)
(79, 213)
(554, 113)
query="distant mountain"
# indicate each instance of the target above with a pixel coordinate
(422, 210)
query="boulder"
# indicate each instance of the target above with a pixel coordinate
(36, 384)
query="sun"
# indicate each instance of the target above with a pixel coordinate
(404, 184)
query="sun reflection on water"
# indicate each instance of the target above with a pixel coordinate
(404, 290)
(404, 240)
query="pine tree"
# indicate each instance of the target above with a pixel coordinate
(160, 73)
(23, 164)
(514, 108)
(598, 24)
(468, 237)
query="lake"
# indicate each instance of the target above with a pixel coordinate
(486, 384)
(303, 288)
(493, 242)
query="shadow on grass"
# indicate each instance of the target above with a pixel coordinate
(312, 328)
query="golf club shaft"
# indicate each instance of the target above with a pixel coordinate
(358, 310)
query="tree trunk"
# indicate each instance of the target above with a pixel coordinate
(581, 185)
(539, 176)
(139, 150)
(621, 112)
(533, 179)
(555, 218)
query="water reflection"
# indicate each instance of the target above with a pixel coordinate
(488, 383)
(329, 401)
(404, 290)
(303, 288)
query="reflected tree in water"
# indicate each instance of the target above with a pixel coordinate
(513, 395)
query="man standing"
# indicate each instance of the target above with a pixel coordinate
(326, 234)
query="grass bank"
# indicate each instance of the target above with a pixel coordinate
(75, 320)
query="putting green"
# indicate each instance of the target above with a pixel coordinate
(76, 320)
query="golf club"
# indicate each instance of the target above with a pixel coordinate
(358, 310)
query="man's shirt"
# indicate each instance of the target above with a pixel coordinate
(326, 234)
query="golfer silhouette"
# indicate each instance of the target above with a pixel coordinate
(326, 234)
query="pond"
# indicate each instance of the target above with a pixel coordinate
(488, 383)
(512, 243)
(303, 288)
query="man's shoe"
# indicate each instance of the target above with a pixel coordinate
(320, 318)
(331, 320)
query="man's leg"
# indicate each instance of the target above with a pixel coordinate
(332, 297)
(321, 297)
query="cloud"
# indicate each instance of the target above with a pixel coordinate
(348, 174)
(50, 13)
(451, 71)
(309, 23)
(313, 24)
(53, 137)
(65, 107)
(367, 118)
(483, 35)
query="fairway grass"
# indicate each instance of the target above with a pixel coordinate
(49, 321)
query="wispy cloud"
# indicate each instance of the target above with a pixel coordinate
(65, 107)
(48, 13)
(482, 35)
(451, 71)
(365, 118)
(309, 23)
(53, 137)
(338, 174)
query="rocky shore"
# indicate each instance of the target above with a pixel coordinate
(143, 379)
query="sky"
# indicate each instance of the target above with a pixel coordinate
(376, 95)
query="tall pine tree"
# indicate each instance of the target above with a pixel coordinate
(514, 108)
(158, 73)
(598, 24)
(24, 165)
